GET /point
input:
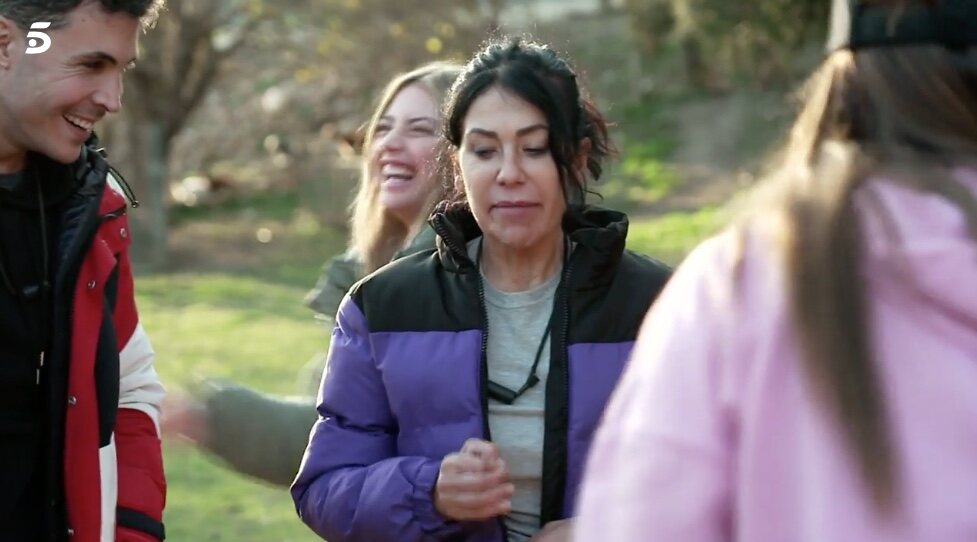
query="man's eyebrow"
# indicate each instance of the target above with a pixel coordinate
(101, 56)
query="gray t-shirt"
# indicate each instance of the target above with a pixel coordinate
(517, 323)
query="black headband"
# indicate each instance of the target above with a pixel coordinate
(857, 24)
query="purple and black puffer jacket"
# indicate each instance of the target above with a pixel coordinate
(406, 377)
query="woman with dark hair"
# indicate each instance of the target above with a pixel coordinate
(810, 374)
(464, 382)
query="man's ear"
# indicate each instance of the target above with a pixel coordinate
(9, 34)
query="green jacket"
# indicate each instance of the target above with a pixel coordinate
(263, 435)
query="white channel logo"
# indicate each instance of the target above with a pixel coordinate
(38, 42)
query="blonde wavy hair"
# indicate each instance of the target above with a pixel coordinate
(376, 235)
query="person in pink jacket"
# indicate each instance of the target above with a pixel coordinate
(811, 373)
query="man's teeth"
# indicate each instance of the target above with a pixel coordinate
(80, 122)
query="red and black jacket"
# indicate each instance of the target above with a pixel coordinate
(105, 471)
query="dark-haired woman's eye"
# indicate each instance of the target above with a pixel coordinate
(536, 151)
(484, 152)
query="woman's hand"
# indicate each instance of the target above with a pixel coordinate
(555, 531)
(184, 416)
(473, 484)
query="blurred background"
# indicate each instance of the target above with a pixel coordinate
(238, 137)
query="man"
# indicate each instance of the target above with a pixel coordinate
(79, 399)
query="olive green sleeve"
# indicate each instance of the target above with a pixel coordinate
(337, 276)
(425, 239)
(258, 434)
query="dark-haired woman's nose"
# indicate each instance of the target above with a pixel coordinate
(510, 169)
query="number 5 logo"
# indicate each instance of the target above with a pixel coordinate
(38, 42)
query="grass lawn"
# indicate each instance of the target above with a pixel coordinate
(241, 328)
(669, 237)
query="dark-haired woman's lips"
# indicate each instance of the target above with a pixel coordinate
(515, 208)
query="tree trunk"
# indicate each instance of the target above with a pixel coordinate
(145, 168)
(696, 68)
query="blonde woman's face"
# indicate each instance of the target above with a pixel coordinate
(403, 151)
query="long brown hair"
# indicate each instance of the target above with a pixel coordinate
(375, 234)
(908, 113)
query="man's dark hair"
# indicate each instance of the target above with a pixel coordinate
(26, 12)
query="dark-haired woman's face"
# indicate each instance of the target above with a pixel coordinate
(511, 180)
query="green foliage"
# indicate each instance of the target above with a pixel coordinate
(725, 40)
(652, 22)
(642, 176)
(646, 140)
(370, 40)
(274, 205)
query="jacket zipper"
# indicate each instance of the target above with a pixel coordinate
(565, 355)
(483, 358)
(483, 379)
(553, 505)
(566, 334)
(70, 255)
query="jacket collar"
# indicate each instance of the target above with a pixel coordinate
(60, 180)
(599, 234)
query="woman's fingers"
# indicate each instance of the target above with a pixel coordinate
(466, 475)
(473, 484)
(483, 449)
